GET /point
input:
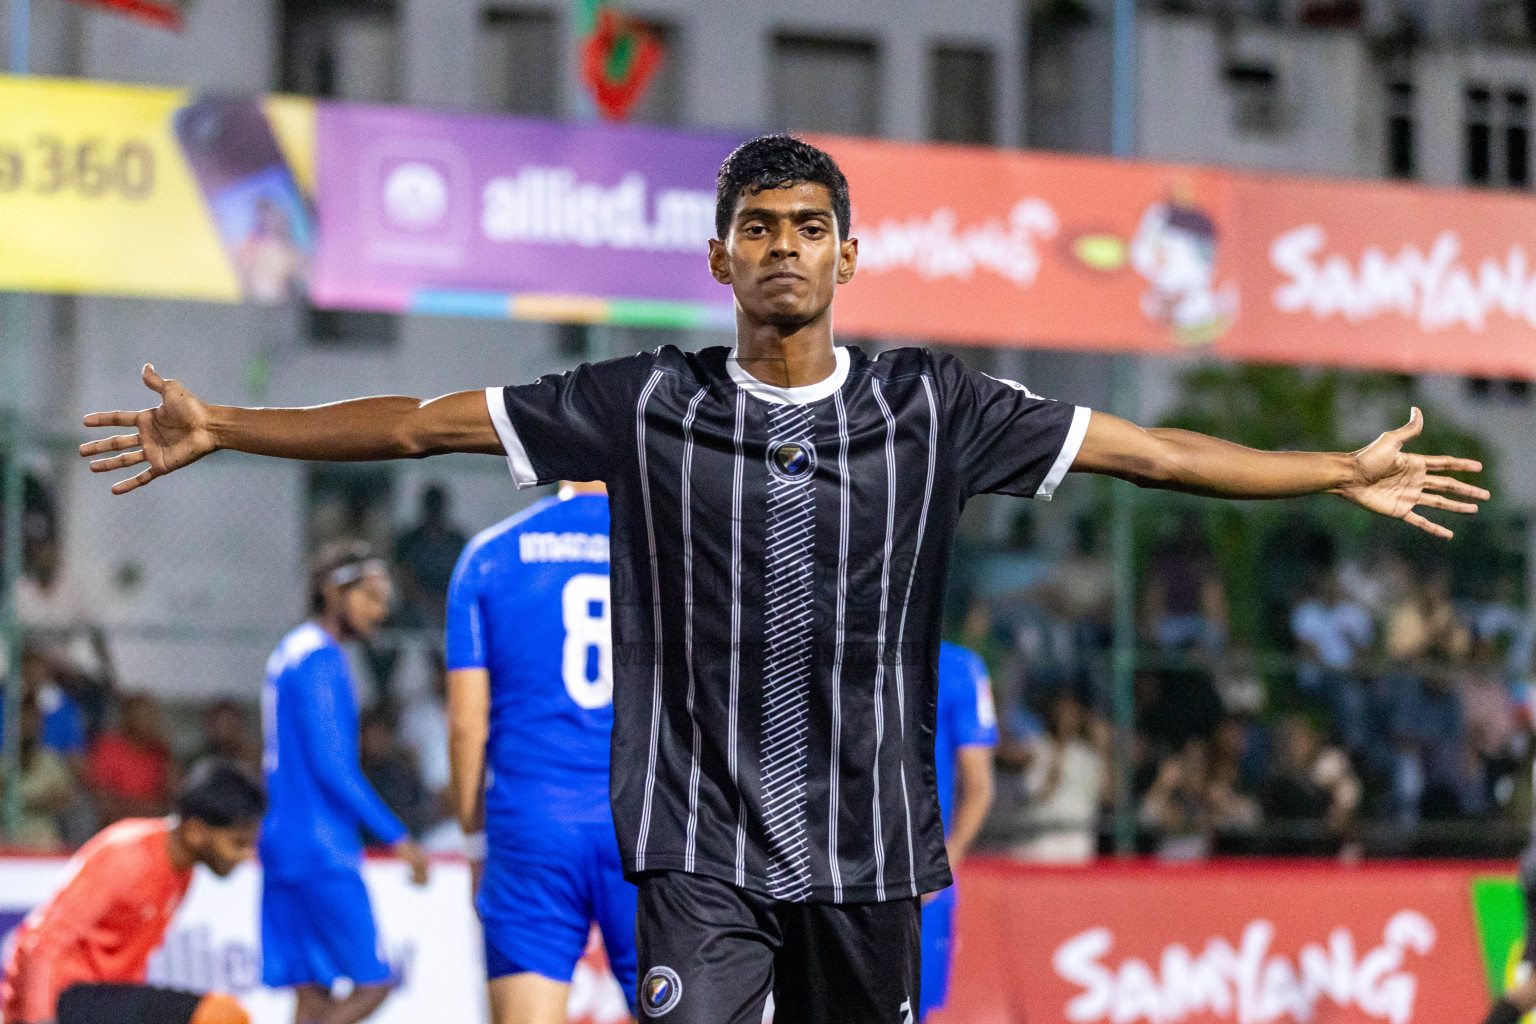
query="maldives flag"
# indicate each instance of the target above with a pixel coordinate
(619, 57)
(164, 13)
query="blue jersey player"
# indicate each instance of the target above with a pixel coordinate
(316, 923)
(530, 684)
(964, 736)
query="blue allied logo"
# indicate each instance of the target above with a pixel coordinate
(792, 460)
(660, 991)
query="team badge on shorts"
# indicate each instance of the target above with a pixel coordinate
(660, 991)
(792, 460)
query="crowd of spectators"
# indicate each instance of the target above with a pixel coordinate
(1386, 705)
(1389, 716)
(94, 750)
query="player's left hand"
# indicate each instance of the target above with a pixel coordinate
(411, 852)
(1393, 482)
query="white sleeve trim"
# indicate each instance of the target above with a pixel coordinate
(517, 456)
(1064, 460)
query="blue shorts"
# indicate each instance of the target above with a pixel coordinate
(317, 930)
(541, 893)
(938, 948)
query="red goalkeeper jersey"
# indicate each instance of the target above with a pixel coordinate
(102, 925)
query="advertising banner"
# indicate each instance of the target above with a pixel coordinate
(1012, 248)
(1227, 942)
(150, 192)
(153, 192)
(500, 216)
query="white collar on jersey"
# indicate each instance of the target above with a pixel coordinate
(789, 396)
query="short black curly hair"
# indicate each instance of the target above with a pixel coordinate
(774, 161)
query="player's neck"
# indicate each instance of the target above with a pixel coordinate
(332, 623)
(787, 359)
(177, 850)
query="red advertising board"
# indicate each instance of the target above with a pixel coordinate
(1233, 943)
(1017, 248)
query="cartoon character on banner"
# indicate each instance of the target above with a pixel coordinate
(1175, 250)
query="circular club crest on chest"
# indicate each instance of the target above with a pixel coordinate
(794, 461)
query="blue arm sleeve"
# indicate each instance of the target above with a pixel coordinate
(464, 640)
(975, 720)
(328, 731)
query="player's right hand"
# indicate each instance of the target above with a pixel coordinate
(411, 852)
(174, 434)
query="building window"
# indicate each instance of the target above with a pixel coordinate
(826, 85)
(1497, 133)
(1479, 130)
(1257, 108)
(1400, 144)
(341, 49)
(352, 329)
(1517, 138)
(1500, 390)
(962, 95)
(519, 61)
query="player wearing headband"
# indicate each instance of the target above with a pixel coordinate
(81, 957)
(316, 923)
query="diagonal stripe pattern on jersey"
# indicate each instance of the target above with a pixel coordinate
(787, 632)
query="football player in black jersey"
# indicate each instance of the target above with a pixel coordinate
(783, 511)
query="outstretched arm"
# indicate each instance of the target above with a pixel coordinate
(1380, 477)
(183, 429)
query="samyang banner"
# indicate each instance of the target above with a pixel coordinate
(1012, 248)
(1234, 943)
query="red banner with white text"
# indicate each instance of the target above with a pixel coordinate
(1231, 943)
(1013, 248)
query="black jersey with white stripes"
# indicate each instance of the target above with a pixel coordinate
(778, 567)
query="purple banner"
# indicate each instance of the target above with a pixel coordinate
(500, 216)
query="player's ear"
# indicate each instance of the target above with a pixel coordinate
(719, 261)
(847, 260)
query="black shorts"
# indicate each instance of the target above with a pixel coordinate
(126, 1004)
(710, 953)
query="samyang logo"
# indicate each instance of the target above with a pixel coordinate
(1248, 984)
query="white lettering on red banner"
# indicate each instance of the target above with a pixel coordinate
(1249, 984)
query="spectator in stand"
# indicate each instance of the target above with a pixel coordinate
(1175, 810)
(47, 787)
(1424, 635)
(1186, 602)
(130, 771)
(1434, 750)
(64, 725)
(424, 559)
(1332, 635)
(1488, 710)
(1237, 757)
(424, 732)
(391, 771)
(1189, 806)
(1312, 793)
(227, 735)
(1064, 785)
(1080, 592)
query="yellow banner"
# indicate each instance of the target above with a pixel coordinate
(154, 192)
